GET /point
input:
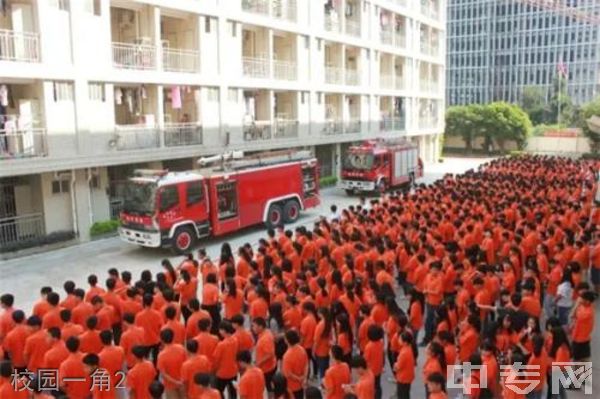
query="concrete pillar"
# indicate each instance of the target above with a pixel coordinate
(157, 39)
(83, 210)
(160, 114)
(337, 160)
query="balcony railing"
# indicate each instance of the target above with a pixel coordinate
(257, 67)
(179, 134)
(19, 46)
(352, 77)
(353, 28)
(134, 56)
(386, 124)
(256, 6)
(23, 143)
(135, 137)
(333, 24)
(334, 75)
(400, 82)
(258, 130)
(19, 228)
(276, 9)
(285, 70)
(402, 3)
(332, 127)
(399, 40)
(386, 37)
(352, 126)
(286, 128)
(180, 60)
(386, 81)
(399, 123)
(428, 122)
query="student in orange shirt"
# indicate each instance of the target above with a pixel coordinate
(41, 306)
(265, 351)
(14, 342)
(322, 339)
(52, 316)
(82, 309)
(242, 335)
(132, 336)
(94, 290)
(141, 375)
(583, 326)
(90, 339)
(69, 329)
(252, 380)
(151, 321)
(364, 388)
(337, 375)
(210, 300)
(404, 368)
(8, 388)
(111, 358)
(170, 359)
(194, 364)
(294, 365)
(435, 386)
(415, 312)
(36, 345)
(307, 331)
(225, 359)
(73, 378)
(375, 355)
(203, 389)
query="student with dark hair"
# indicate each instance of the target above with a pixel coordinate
(252, 381)
(337, 375)
(295, 365)
(225, 365)
(141, 375)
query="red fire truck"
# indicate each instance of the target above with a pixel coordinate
(176, 209)
(376, 165)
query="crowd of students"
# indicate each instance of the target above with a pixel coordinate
(491, 267)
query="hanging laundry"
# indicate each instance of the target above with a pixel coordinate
(4, 95)
(176, 97)
(129, 99)
(118, 96)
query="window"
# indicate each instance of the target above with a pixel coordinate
(93, 7)
(233, 28)
(169, 197)
(95, 182)
(96, 92)
(212, 94)
(227, 200)
(207, 24)
(194, 193)
(232, 95)
(306, 42)
(62, 91)
(61, 184)
(303, 97)
(60, 4)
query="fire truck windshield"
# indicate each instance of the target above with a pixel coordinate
(359, 161)
(139, 198)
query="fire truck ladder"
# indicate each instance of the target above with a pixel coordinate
(236, 161)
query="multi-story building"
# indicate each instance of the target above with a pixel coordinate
(92, 89)
(495, 48)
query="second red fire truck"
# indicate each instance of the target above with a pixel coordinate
(176, 209)
(376, 165)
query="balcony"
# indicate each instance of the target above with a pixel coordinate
(257, 131)
(386, 37)
(386, 81)
(399, 82)
(399, 40)
(134, 56)
(333, 127)
(334, 75)
(353, 28)
(19, 46)
(352, 126)
(428, 122)
(20, 228)
(333, 23)
(286, 128)
(285, 70)
(181, 134)
(257, 67)
(276, 9)
(398, 123)
(23, 143)
(388, 124)
(180, 60)
(352, 77)
(135, 137)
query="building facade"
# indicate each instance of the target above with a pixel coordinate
(92, 89)
(495, 48)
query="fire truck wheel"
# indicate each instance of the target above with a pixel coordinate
(274, 216)
(381, 187)
(183, 240)
(350, 192)
(291, 211)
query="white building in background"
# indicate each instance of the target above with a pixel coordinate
(92, 89)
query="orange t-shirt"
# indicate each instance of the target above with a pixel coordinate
(252, 384)
(14, 343)
(36, 347)
(206, 345)
(191, 328)
(73, 368)
(150, 320)
(178, 331)
(307, 331)
(265, 348)
(321, 345)
(435, 287)
(170, 360)
(225, 358)
(90, 342)
(336, 376)
(130, 338)
(365, 386)
(405, 365)
(192, 366)
(210, 294)
(374, 355)
(244, 339)
(295, 361)
(139, 379)
(55, 355)
(259, 308)
(584, 324)
(233, 305)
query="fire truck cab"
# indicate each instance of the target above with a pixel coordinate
(176, 209)
(376, 165)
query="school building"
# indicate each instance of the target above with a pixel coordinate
(92, 89)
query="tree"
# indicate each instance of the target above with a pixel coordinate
(502, 122)
(462, 121)
(534, 103)
(589, 110)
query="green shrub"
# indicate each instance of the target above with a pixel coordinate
(517, 153)
(591, 156)
(105, 227)
(327, 181)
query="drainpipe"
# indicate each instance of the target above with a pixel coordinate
(74, 204)
(89, 181)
